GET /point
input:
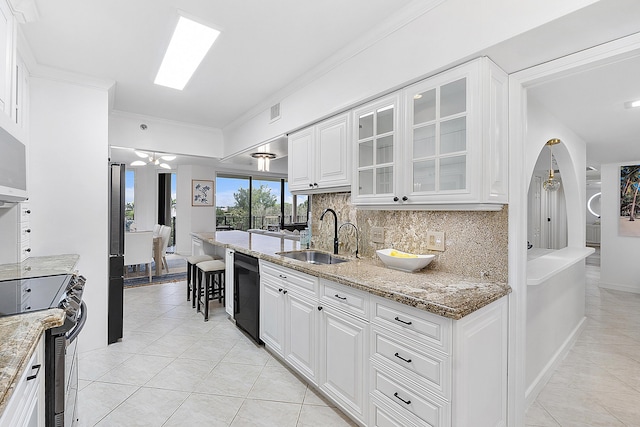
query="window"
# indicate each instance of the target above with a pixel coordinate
(129, 193)
(244, 202)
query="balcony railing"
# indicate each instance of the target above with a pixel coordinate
(228, 222)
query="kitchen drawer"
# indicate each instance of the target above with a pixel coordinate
(381, 415)
(302, 281)
(349, 299)
(428, 328)
(408, 400)
(431, 368)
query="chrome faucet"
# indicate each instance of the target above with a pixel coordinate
(357, 237)
(335, 228)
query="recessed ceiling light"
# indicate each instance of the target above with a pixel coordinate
(189, 44)
(632, 104)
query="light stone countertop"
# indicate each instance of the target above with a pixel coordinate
(19, 336)
(39, 267)
(444, 294)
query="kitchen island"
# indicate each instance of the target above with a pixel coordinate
(444, 294)
(387, 347)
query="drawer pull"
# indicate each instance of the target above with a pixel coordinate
(280, 290)
(282, 276)
(406, 402)
(320, 308)
(339, 297)
(402, 358)
(402, 321)
(285, 291)
(34, 376)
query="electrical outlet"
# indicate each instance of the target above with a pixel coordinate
(435, 240)
(377, 234)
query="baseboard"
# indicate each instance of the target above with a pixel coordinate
(543, 378)
(619, 287)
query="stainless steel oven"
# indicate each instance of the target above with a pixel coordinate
(61, 368)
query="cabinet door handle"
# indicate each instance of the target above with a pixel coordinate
(402, 321)
(34, 376)
(395, 199)
(405, 198)
(310, 185)
(315, 184)
(27, 211)
(28, 290)
(319, 308)
(280, 290)
(402, 358)
(28, 230)
(407, 402)
(28, 250)
(339, 297)
(285, 291)
(282, 277)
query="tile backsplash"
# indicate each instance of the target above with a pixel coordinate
(475, 242)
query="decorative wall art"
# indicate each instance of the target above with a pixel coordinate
(629, 221)
(201, 193)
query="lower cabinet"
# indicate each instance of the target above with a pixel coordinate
(383, 363)
(26, 406)
(228, 281)
(343, 360)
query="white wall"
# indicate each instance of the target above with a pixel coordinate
(192, 218)
(68, 192)
(620, 268)
(164, 135)
(146, 197)
(430, 42)
(555, 309)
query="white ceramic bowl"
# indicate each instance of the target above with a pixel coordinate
(404, 264)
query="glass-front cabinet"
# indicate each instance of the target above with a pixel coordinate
(376, 150)
(441, 142)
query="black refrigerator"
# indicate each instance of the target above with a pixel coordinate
(116, 252)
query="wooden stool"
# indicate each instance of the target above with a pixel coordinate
(191, 274)
(213, 272)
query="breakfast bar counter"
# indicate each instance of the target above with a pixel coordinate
(444, 294)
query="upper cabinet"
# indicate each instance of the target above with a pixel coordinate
(440, 143)
(319, 157)
(7, 55)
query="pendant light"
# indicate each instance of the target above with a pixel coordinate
(551, 184)
(153, 159)
(263, 160)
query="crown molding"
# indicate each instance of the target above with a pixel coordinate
(398, 20)
(137, 116)
(24, 10)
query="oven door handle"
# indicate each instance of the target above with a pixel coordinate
(73, 333)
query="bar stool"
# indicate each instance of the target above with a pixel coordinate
(191, 274)
(213, 272)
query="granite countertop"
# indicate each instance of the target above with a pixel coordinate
(39, 267)
(19, 336)
(444, 294)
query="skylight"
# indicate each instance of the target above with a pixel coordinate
(189, 44)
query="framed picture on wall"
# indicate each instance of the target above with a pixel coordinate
(201, 192)
(629, 221)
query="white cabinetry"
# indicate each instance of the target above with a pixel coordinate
(26, 405)
(7, 55)
(440, 143)
(319, 157)
(344, 337)
(432, 371)
(228, 281)
(288, 316)
(24, 232)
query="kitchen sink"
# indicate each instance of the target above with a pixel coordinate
(313, 257)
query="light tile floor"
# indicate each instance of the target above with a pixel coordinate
(598, 383)
(174, 369)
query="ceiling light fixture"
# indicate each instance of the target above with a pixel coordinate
(263, 160)
(551, 184)
(153, 159)
(189, 44)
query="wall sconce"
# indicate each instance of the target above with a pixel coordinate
(551, 184)
(263, 160)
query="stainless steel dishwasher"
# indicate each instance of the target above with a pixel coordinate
(246, 294)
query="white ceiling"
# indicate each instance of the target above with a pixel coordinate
(264, 46)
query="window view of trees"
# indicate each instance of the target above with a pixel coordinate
(629, 185)
(129, 210)
(234, 211)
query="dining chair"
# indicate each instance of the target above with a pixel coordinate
(165, 233)
(138, 249)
